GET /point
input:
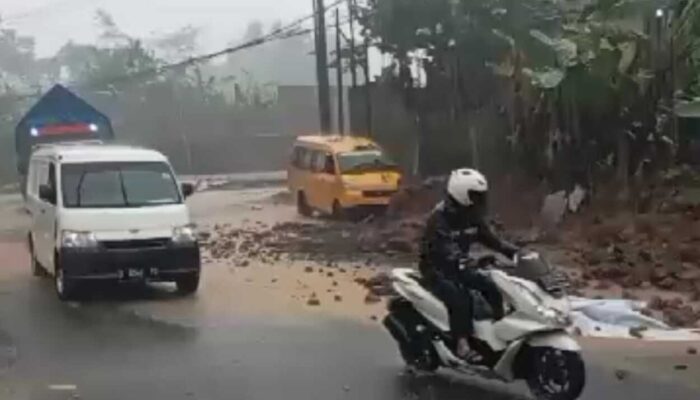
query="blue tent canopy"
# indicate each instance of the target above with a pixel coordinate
(59, 106)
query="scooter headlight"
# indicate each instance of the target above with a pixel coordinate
(553, 316)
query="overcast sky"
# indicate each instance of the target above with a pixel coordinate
(53, 22)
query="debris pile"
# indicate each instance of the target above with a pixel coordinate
(314, 240)
(377, 287)
(656, 251)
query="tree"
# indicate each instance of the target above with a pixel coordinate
(582, 74)
(287, 62)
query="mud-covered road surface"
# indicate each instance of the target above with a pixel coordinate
(252, 331)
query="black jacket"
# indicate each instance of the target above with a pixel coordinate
(448, 236)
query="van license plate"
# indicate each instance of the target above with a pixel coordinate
(134, 273)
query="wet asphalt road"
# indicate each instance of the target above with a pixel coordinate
(105, 349)
(99, 350)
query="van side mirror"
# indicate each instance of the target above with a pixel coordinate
(47, 194)
(187, 189)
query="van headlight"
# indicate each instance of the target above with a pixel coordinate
(78, 239)
(553, 316)
(184, 234)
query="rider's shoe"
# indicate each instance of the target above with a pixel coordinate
(465, 352)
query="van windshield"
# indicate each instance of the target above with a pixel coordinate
(363, 161)
(125, 184)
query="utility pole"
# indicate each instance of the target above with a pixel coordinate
(672, 54)
(353, 63)
(324, 105)
(339, 75)
(368, 93)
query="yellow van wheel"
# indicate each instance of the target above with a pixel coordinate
(302, 205)
(338, 211)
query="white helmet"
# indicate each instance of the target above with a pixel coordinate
(463, 182)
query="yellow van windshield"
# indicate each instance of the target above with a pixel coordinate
(361, 161)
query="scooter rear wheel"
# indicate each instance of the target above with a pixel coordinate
(425, 361)
(415, 346)
(554, 374)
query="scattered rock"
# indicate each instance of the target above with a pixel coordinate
(656, 303)
(361, 281)
(602, 285)
(645, 255)
(203, 236)
(334, 283)
(692, 351)
(689, 254)
(637, 331)
(379, 285)
(308, 270)
(675, 303)
(330, 274)
(553, 208)
(338, 298)
(681, 317)
(372, 298)
(666, 283)
(592, 258)
(313, 300)
(621, 374)
(373, 317)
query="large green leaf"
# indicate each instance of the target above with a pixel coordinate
(628, 52)
(547, 78)
(565, 50)
(504, 69)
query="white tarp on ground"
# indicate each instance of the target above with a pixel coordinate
(612, 318)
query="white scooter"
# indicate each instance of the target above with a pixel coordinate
(530, 342)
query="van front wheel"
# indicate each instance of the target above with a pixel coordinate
(66, 288)
(302, 205)
(37, 269)
(338, 211)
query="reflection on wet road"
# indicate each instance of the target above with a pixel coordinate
(102, 350)
(146, 342)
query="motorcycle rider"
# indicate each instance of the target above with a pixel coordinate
(456, 223)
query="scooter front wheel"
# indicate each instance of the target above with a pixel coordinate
(555, 374)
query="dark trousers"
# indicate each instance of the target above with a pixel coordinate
(454, 293)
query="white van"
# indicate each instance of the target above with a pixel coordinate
(106, 212)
